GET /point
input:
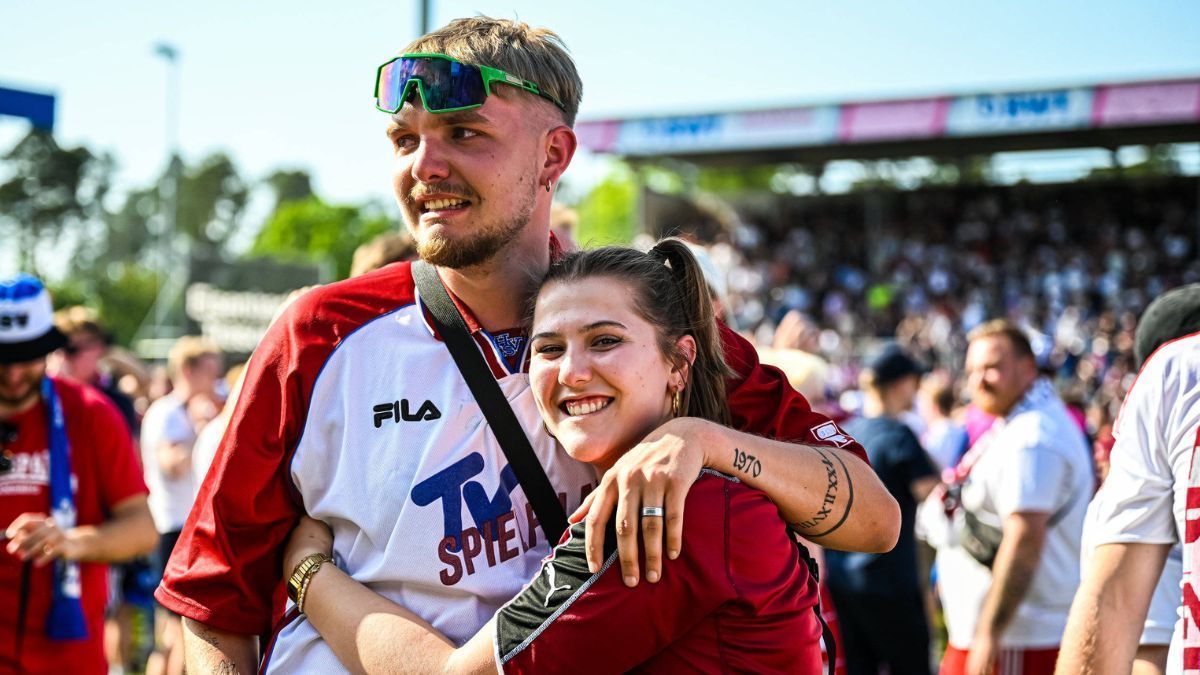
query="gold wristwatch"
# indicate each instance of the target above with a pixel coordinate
(304, 571)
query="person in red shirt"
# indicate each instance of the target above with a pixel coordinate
(622, 342)
(71, 498)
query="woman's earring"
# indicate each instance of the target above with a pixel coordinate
(675, 403)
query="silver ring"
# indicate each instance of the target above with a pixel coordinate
(653, 512)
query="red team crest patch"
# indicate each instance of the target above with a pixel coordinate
(830, 433)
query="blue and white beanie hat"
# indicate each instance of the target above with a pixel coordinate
(27, 330)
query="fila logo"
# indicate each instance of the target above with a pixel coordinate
(399, 410)
(14, 320)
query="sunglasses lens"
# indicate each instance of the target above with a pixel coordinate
(446, 84)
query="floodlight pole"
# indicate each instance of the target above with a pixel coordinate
(425, 13)
(169, 189)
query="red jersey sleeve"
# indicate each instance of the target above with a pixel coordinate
(121, 473)
(226, 569)
(228, 560)
(763, 402)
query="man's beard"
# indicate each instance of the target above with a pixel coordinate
(24, 395)
(475, 248)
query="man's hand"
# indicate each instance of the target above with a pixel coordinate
(981, 660)
(36, 537)
(659, 471)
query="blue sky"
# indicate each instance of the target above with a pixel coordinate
(287, 85)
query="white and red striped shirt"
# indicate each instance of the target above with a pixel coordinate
(1152, 493)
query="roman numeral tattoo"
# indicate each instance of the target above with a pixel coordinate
(838, 489)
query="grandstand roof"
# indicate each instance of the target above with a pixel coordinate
(1102, 115)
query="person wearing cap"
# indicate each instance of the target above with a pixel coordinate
(1146, 506)
(72, 498)
(881, 612)
(1008, 520)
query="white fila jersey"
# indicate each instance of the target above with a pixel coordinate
(354, 412)
(395, 455)
(1152, 493)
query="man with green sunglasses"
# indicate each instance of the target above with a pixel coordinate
(354, 413)
(443, 83)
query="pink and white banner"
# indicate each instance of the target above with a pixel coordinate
(893, 120)
(994, 114)
(1148, 103)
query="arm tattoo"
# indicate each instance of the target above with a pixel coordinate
(225, 666)
(207, 635)
(837, 488)
(745, 463)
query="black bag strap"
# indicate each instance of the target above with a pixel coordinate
(831, 650)
(504, 425)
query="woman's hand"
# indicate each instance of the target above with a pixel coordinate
(658, 471)
(310, 536)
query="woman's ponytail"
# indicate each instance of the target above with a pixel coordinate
(704, 395)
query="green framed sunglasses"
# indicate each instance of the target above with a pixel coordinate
(443, 83)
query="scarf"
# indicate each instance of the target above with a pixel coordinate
(65, 621)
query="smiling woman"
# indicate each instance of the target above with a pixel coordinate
(614, 346)
(622, 342)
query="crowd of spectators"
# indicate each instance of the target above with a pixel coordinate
(1073, 264)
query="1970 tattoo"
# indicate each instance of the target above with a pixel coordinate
(746, 463)
(837, 485)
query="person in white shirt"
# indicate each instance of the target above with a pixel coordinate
(1146, 505)
(169, 431)
(1008, 561)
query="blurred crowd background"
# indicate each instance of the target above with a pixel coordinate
(165, 286)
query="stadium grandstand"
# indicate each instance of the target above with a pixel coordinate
(960, 210)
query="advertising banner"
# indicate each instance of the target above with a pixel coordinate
(705, 133)
(1046, 110)
(894, 120)
(1147, 103)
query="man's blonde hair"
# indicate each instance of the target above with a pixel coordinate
(535, 54)
(1006, 329)
(79, 320)
(188, 351)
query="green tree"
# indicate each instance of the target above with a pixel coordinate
(289, 186)
(212, 197)
(310, 230)
(50, 198)
(122, 297)
(737, 179)
(607, 215)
